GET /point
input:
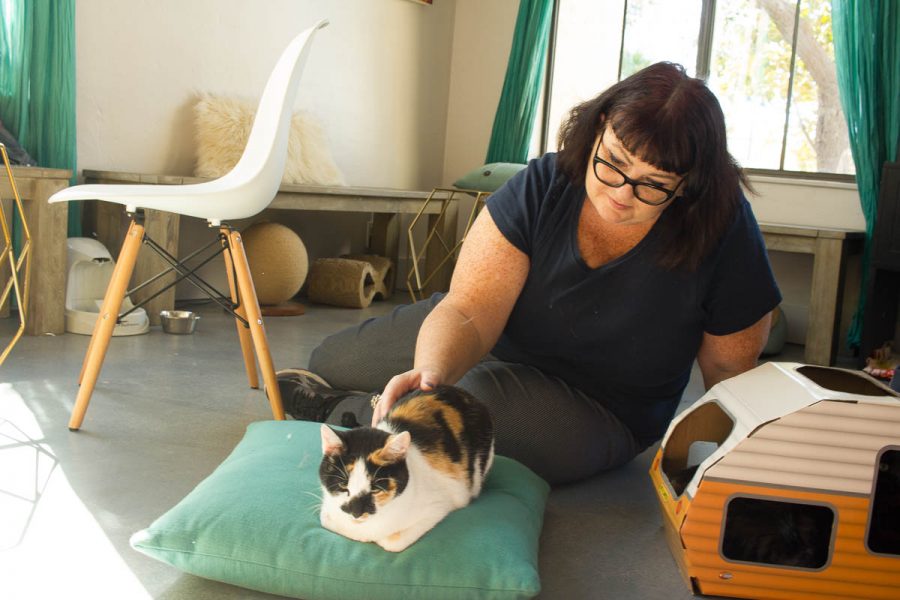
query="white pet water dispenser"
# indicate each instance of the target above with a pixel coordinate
(90, 268)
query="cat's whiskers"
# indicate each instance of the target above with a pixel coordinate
(316, 506)
(374, 477)
(343, 469)
(314, 495)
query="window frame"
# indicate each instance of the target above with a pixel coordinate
(764, 497)
(702, 68)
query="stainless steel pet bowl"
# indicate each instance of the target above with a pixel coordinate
(178, 321)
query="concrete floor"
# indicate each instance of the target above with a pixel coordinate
(168, 409)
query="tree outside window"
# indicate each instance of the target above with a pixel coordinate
(770, 63)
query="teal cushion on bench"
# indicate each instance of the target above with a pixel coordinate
(254, 522)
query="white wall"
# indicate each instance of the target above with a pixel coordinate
(807, 202)
(377, 78)
(482, 39)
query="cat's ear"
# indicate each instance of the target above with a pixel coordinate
(395, 447)
(331, 442)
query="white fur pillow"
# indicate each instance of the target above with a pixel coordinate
(222, 125)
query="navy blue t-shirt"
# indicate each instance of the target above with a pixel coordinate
(627, 332)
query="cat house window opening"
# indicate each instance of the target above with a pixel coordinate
(848, 382)
(883, 528)
(693, 439)
(777, 532)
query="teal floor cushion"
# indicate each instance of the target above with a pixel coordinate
(254, 522)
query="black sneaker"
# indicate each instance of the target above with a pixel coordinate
(308, 397)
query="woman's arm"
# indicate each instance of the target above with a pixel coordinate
(466, 324)
(724, 356)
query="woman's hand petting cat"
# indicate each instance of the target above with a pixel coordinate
(400, 385)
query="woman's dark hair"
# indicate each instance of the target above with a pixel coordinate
(674, 123)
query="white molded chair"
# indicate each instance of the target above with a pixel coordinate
(242, 192)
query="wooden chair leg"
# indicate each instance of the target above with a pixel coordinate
(97, 323)
(243, 332)
(106, 322)
(254, 317)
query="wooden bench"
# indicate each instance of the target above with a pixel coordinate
(384, 204)
(830, 249)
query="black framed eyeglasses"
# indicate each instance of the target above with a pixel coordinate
(648, 193)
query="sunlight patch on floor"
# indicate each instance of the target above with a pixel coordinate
(50, 544)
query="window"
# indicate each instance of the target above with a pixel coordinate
(653, 32)
(779, 533)
(883, 535)
(583, 29)
(769, 62)
(839, 380)
(693, 439)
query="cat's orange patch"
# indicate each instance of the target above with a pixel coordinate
(378, 458)
(442, 462)
(424, 409)
(381, 497)
(416, 409)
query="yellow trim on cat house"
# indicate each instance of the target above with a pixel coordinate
(776, 483)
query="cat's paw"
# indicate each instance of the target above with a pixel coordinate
(396, 542)
(341, 528)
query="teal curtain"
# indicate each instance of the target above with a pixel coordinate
(37, 83)
(867, 55)
(514, 120)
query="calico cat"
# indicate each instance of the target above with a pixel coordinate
(392, 483)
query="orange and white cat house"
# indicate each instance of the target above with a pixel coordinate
(784, 482)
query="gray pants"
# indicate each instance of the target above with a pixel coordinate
(539, 420)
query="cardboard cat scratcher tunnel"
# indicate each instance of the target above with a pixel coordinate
(784, 482)
(352, 281)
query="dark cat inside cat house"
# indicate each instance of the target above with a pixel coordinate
(772, 532)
